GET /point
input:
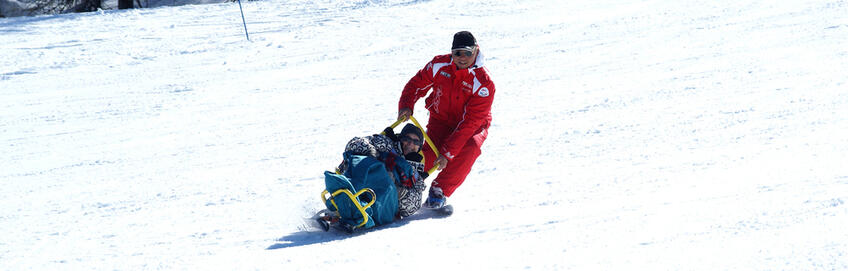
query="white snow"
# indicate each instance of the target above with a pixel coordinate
(652, 135)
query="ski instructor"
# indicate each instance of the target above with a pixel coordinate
(460, 112)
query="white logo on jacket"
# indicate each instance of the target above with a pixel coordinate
(437, 99)
(484, 92)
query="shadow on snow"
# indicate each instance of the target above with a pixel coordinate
(306, 237)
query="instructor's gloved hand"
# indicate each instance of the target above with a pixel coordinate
(404, 114)
(442, 162)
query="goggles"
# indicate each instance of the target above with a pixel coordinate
(461, 52)
(417, 142)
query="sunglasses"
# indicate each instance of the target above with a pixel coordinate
(417, 142)
(462, 52)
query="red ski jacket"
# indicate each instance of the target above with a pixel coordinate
(461, 99)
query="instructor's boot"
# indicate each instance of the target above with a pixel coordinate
(435, 199)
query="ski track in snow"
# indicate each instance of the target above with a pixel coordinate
(649, 134)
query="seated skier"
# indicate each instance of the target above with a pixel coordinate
(405, 146)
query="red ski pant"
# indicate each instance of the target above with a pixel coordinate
(458, 168)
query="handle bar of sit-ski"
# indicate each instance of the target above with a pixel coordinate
(426, 138)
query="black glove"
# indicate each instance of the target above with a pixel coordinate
(390, 133)
(414, 157)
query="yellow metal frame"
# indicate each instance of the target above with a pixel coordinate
(353, 198)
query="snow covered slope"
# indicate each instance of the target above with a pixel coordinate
(627, 135)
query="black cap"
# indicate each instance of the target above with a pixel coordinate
(412, 129)
(464, 40)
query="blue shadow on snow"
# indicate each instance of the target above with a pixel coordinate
(305, 238)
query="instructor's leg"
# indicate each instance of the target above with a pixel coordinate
(458, 168)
